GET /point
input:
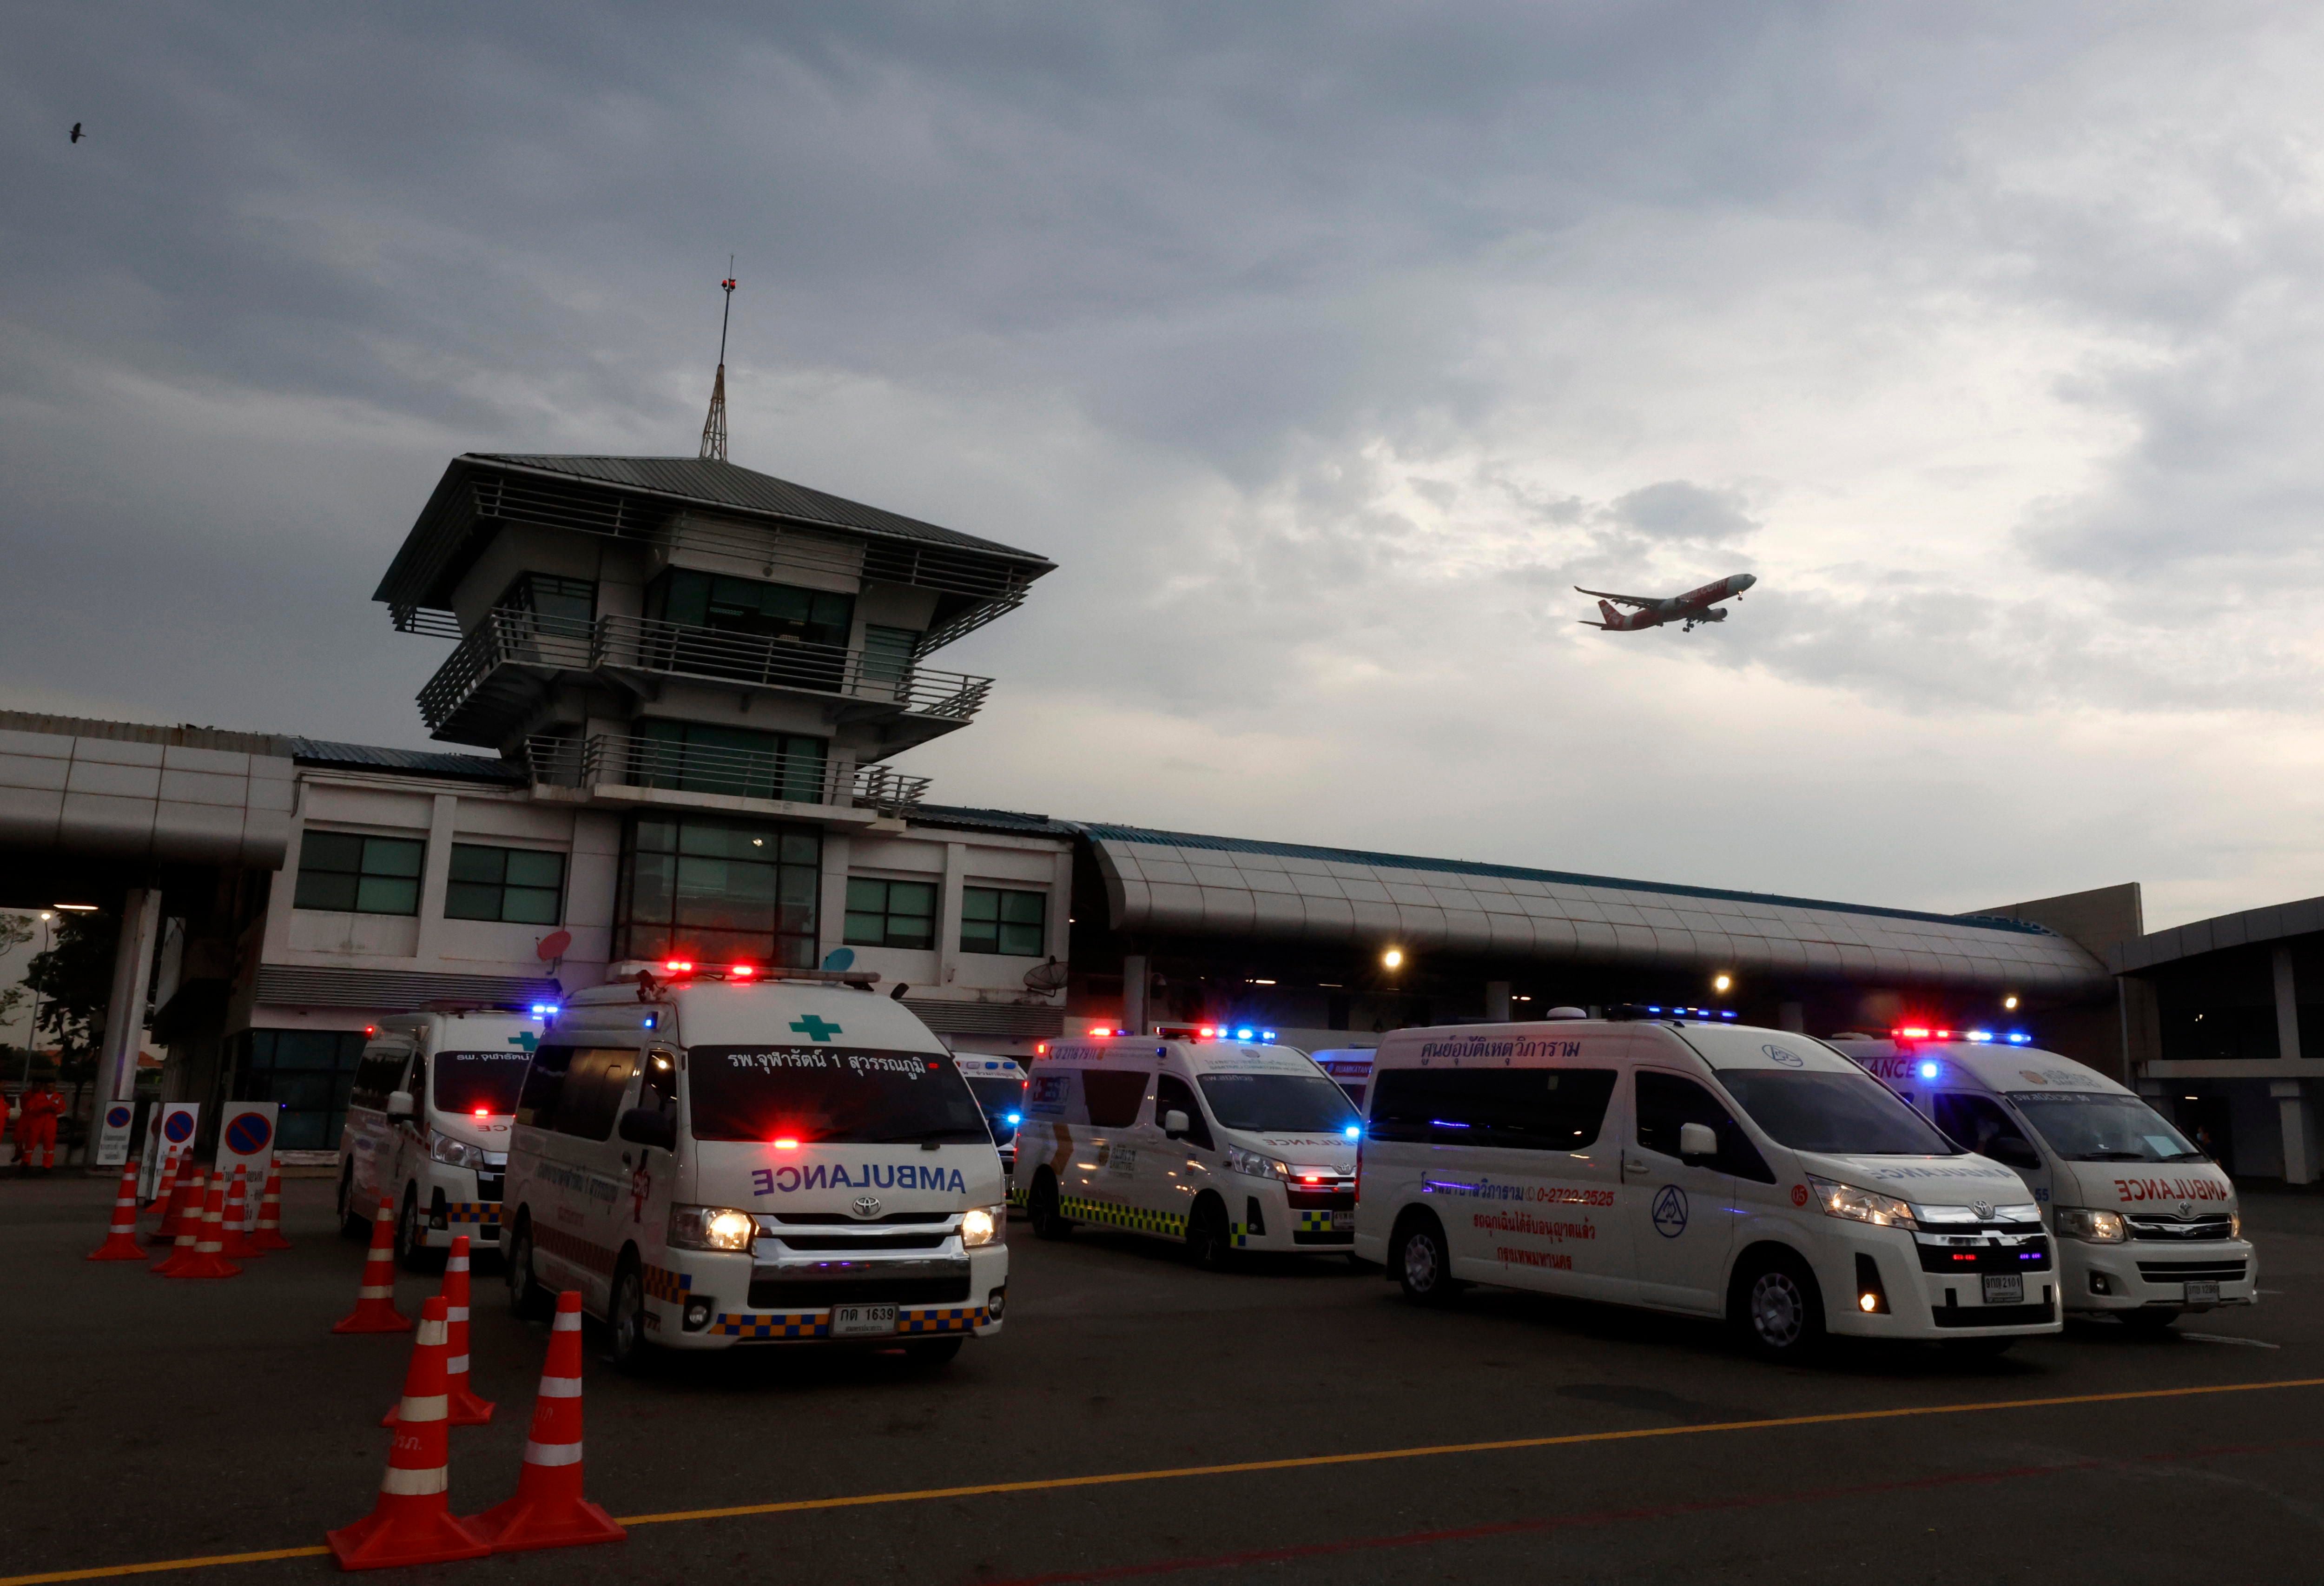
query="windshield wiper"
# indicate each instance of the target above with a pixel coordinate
(2112, 1156)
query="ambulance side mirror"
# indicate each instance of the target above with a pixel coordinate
(1176, 1124)
(1697, 1139)
(398, 1104)
(647, 1126)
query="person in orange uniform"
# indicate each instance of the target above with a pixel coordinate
(36, 1125)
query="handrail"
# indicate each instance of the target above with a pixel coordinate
(627, 759)
(650, 644)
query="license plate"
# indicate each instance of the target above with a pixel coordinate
(863, 1320)
(2203, 1294)
(2004, 1288)
(1343, 1222)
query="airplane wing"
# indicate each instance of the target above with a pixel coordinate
(1640, 601)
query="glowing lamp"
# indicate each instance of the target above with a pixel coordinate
(483, 1111)
(741, 971)
(1244, 1034)
(1720, 982)
(1928, 1071)
(1393, 958)
(1868, 1303)
(1352, 1132)
(678, 966)
(786, 1143)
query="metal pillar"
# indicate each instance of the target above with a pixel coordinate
(2291, 1099)
(1133, 994)
(125, 1008)
(1497, 1001)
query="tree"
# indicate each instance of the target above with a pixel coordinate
(73, 981)
(15, 930)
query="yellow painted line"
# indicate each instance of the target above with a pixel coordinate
(1295, 1462)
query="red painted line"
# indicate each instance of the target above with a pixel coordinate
(1277, 1556)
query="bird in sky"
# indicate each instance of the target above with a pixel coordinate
(76, 134)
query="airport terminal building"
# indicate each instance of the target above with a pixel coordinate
(673, 695)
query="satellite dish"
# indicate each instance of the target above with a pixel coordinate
(553, 945)
(839, 958)
(1045, 977)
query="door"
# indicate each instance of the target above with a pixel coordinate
(368, 1136)
(580, 1176)
(1681, 1208)
(407, 1152)
(1172, 1173)
(1104, 1167)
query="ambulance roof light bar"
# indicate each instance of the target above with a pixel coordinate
(671, 970)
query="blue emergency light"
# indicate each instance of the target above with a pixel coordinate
(544, 1009)
(1353, 1132)
(1928, 1071)
(2018, 1038)
(1245, 1033)
(1016, 1118)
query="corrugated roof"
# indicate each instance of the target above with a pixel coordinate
(2248, 927)
(713, 483)
(417, 762)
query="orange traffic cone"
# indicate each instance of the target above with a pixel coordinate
(207, 1261)
(412, 1522)
(233, 1243)
(121, 1239)
(180, 1225)
(268, 1234)
(463, 1408)
(549, 1510)
(168, 1182)
(375, 1309)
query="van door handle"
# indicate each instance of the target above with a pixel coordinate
(1634, 1165)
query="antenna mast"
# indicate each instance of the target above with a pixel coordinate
(714, 427)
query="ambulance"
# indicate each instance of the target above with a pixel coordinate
(748, 1155)
(1711, 1170)
(1220, 1145)
(2150, 1228)
(1350, 1068)
(998, 1085)
(428, 1124)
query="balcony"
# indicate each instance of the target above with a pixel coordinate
(622, 767)
(506, 667)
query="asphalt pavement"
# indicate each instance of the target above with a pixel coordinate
(1139, 1419)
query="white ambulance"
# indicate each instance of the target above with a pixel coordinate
(427, 1125)
(1350, 1068)
(1712, 1169)
(739, 1157)
(2150, 1228)
(1222, 1145)
(998, 1085)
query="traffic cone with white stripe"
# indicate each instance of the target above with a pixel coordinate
(121, 1239)
(208, 1261)
(464, 1409)
(268, 1234)
(233, 1243)
(183, 1225)
(167, 1185)
(412, 1522)
(549, 1510)
(375, 1309)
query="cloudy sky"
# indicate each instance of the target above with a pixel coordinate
(1323, 348)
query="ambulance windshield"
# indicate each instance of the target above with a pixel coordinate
(1836, 1114)
(467, 1083)
(818, 1094)
(1278, 1103)
(1003, 1101)
(2096, 1126)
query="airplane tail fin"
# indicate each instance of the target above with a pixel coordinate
(1613, 618)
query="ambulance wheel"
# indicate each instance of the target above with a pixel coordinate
(625, 1320)
(350, 1226)
(527, 1298)
(1048, 1222)
(1209, 1241)
(1422, 1262)
(931, 1352)
(1777, 1309)
(412, 1251)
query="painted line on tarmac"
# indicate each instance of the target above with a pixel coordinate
(2250, 1343)
(1247, 1467)
(1312, 1550)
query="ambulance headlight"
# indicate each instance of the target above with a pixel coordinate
(982, 1225)
(1845, 1200)
(2098, 1228)
(2234, 1225)
(712, 1228)
(1257, 1166)
(452, 1153)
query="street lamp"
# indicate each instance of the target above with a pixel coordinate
(1720, 982)
(1393, 958)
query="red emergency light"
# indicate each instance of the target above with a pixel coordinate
(678, 966)
(740, 972)
(786, 1144)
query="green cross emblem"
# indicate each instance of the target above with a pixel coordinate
(814, 1028)
(526, 1039)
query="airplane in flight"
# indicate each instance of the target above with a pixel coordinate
(1696, 605)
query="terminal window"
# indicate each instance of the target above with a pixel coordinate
(719, 891)
(891, 914)
(307, 1072)
(521, 886)
(1010, 923)
(353, 875)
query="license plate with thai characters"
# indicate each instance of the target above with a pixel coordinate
(863, 1320)
(2004, 1288)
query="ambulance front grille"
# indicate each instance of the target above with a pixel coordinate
(779, 1294)
(2191, 1271)
(2177, 1230)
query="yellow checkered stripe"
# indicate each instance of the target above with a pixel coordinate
(662, 1283)
(1314, 1222)
(1137, 1219)
(486, 1213)
(1016, 1194)
(1237, 1235)
(817, 1323)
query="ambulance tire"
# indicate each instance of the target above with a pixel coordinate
(1422, 1261)
(1776, 1307)
(528, 1300)
(412, 1251)
(1048, 1222)
(1209, 1242)
(928, 1353)
(627, 1347)
(350, 1226)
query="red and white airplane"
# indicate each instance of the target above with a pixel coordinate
(1696, 605)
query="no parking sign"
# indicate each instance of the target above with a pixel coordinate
(246, 1138)
(113, 1133)
(169, 1129)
